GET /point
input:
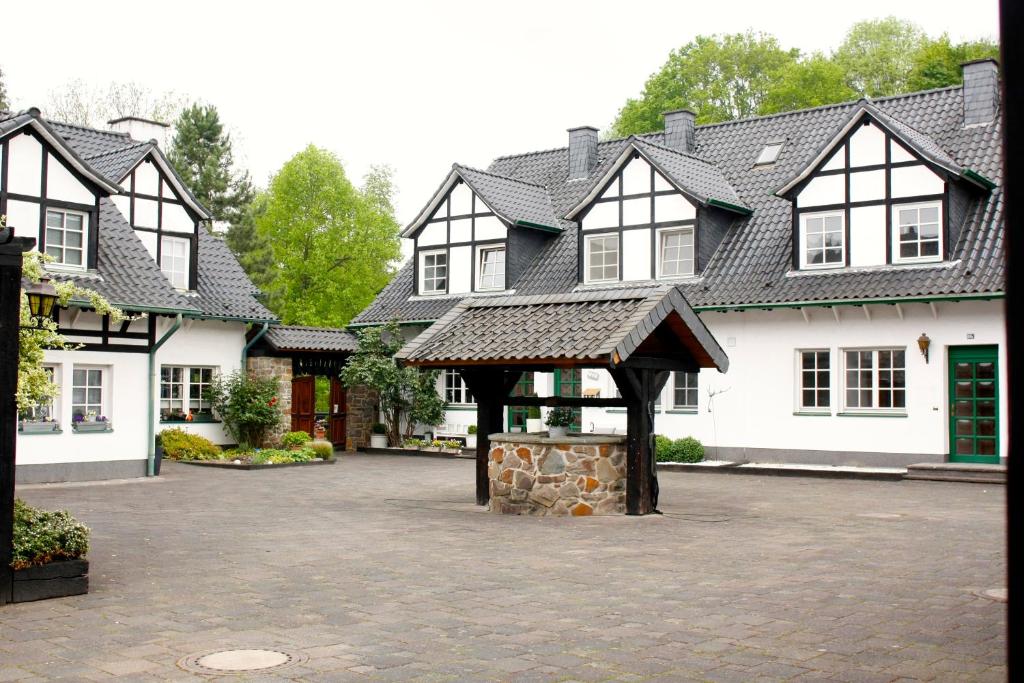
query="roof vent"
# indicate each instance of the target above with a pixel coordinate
(582, 151)
(679, 130)
(141, 129)
(981, 91)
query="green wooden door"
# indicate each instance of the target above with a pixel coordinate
(517, 414)
(974, 404)
(570, 383)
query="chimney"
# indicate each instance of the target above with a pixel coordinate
(582, 151)
(679, 133)
(141, 129)
(981, 91)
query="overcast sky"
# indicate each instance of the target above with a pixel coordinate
(415, 85)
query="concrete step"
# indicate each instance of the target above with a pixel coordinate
(955, 471)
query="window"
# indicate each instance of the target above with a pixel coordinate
(87, 394)
(492, 268)
(602, 258)
(174, 260)
(823, 235)
(455, 390)
(65, 237)
(675, 253)
(876, 379)
(769, 154)
(42, 412)
(435, 273)
(815, 380)
(684, 390)
(185, 391)
(917, 232)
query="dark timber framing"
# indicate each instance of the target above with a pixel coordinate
(887, 201)
(475, 245)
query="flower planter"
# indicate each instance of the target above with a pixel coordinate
(451, 450)
(53, 580)
(92, 426)
(534, 425)
(471, 441)
(38, 427)
(378, 440)
(557, 432)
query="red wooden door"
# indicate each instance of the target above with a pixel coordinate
(303, 404)
(336, 414)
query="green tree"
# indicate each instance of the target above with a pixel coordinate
(936, 64)
(719, 77)
(877, 56)
(201, 153)
(3, 92)
(406, 396)
(252, 253)
(331, 245)
(810, 82)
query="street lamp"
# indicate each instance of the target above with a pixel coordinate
(42, 296)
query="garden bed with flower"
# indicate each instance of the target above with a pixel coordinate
(438, 449)
(49, 554)
(295, 448)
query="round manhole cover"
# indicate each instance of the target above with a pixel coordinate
(242, 661)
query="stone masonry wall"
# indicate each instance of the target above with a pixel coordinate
(281, 369)
(547, 479)
(361, 413)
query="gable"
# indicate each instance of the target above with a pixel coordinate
(638, 195)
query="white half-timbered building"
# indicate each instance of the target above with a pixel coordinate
(848, 258)
(116, 218)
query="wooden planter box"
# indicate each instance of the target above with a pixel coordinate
(54, 580)
(92, 426)
(38, 427)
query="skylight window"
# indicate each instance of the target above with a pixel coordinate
(769, 154)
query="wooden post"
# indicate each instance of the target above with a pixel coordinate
(489, 387)
(11, 250)
(640, 387)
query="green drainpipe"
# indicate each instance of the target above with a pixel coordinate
(151, 458)
(259, 335)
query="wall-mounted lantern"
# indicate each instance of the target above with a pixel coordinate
(923, 342)
(41, 296)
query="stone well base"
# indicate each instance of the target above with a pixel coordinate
(532, 474)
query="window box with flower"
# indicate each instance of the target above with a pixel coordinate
(90, 423)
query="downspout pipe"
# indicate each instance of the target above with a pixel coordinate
(256, 338)
(151, 457)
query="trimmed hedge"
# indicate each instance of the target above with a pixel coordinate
(687, 449)
(180, 445)
(44, 536)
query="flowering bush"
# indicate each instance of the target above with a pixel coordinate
(247, 405)
(560, 417)
(42, 536)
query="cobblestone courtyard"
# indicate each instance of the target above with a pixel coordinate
(381, 568)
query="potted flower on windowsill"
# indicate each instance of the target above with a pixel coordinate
(90, 423)
(43, 426)
(379, 437)
(533, 422)
(559, 420)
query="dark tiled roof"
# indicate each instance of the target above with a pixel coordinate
(513, 200)
(398, 302)
(116, 163)
(697, 177)
(597, 327)
(92, 141)
(224, 290)
(299, 338)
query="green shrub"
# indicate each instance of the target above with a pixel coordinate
(323, 449)
(295, 439)
(533, 412)
(42, 536)
(413, 443)
(248, 405)
(379, 428)
(277, 456)
(471, 429)
(180, 445)
(688, 449)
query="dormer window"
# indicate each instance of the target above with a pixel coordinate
(492, 268)
(65, 237)
(769, 154)
(434, 272)
(675, 252)
(917, 228)
(823, 237)
(174, 260)
(602, 258)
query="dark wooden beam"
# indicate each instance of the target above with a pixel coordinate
(640, 387)
(687, 364)
(490, 387)
(571, 401)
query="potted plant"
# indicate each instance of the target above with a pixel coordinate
(412, 444)
(90, 423)
(471, 436)
(533, 422)
(435, 446)
(320, 429)
(379, 437)
(43, 426)
(559, 420)
(451, 446)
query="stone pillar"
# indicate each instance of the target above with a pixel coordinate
(281, 369)
(360, 414)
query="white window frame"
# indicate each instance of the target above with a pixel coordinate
(61, 264)
(896, 208)
(801, 387)
(104, 387)
(53, 406)
(482, 253)
(876, 374)
(804, 217)
(185, 383)
(770, 153)
(169, 262)
(422, 266)
(686, 388)
(662, 233)
(454, 387)
(588, 239)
